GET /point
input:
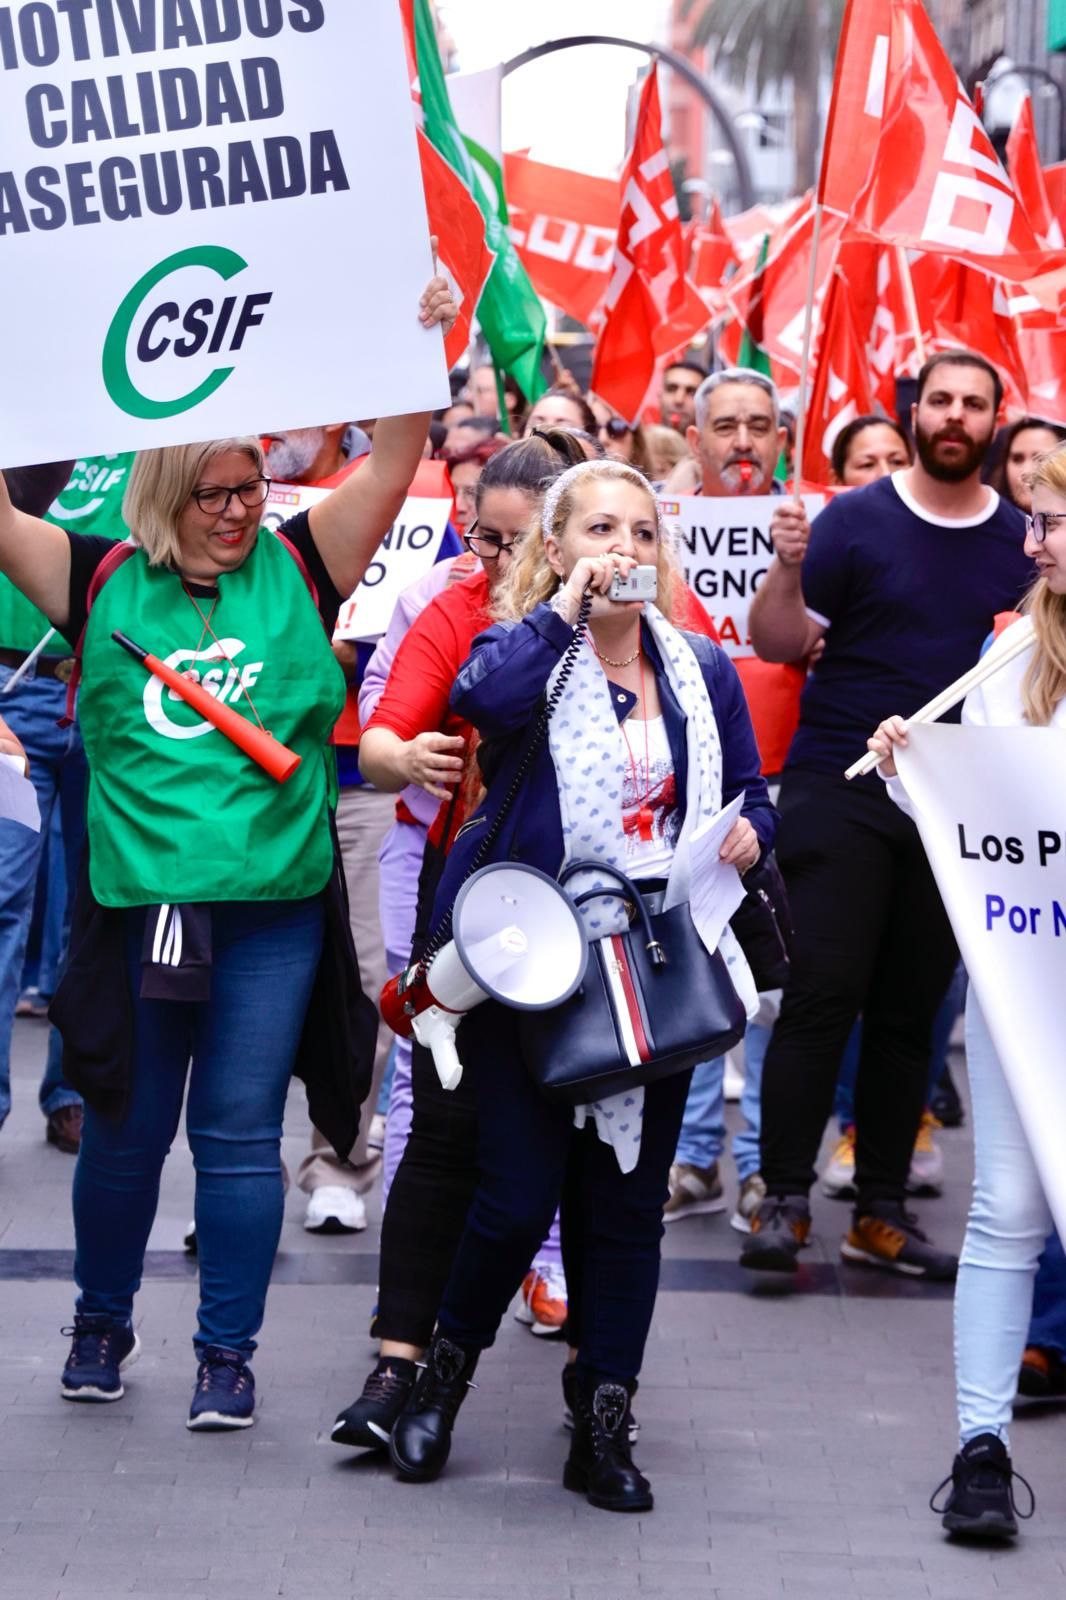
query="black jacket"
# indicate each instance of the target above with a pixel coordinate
(93, 1011)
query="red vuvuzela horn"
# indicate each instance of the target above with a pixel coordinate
(276, 759)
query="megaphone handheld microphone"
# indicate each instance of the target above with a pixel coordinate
(275, 758)
(517, 938)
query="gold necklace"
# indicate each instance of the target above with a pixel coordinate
(628, 662)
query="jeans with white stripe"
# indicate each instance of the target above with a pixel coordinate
(241, 1043)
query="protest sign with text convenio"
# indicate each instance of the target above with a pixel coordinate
(210, 210)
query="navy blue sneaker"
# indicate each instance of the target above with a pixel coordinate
(224, 1396)
(100, 1351)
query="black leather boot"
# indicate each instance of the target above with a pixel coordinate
(600, 1465)
(422, 1435)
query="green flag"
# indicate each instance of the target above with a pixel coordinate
(752, 353)
(511, 316)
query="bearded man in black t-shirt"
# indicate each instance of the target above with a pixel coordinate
(902, 580)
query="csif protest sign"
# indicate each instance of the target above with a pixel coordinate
(987, 804)
(407, 551)
(724, 545)
(211, 222)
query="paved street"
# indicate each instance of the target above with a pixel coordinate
(792, 1441)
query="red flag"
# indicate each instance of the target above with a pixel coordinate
(650, 305)
(933, 180)
(781, 293)
(1027, 176)
(879, 310)
(710, 255)
(455, 218)
(564, 226)
(961, 306)
(841, 390)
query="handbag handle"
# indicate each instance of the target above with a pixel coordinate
(626, 891)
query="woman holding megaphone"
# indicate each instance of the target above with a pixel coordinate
(663, 712)
(209, 925)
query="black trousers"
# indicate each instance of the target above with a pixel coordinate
(428, 1203)
(530, 1155)
(872, 937)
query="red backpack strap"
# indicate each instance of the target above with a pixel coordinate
(114, 558)
(301, 564)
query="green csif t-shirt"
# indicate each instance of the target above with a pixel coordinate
(90, 503)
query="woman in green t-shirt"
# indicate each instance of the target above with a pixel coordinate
(209, 925)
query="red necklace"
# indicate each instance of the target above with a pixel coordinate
(645, 815)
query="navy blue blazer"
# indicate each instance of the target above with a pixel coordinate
(501, 689)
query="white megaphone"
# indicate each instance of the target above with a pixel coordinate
(516, 938)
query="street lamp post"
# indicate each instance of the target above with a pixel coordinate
(683, 68)
(1029, 69)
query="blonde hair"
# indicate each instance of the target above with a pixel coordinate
(665, 448)
(1044, 684)
(532, 580)
(159, 488)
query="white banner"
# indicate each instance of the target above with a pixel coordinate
(407, 551)
(725, 548)
(211, 223)
(988, 803)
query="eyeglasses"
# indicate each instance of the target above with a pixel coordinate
(614, 427)
(214, 501)
(489, 546)
(1041, 523)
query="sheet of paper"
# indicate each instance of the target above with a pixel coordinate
(715, 890)
(18, 797)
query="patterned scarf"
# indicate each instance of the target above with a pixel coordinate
(588, 749)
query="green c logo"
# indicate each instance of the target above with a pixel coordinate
(117, 380)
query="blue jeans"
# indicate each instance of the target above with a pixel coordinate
(703, 1126)
(1008, 1225)
(58, 771)
(242, 1043)
(1048, 1327)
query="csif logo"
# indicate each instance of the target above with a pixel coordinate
(223, 679)
(211, 324)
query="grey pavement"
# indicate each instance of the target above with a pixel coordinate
(792, 1441)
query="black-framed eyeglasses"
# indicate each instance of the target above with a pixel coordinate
(614, 427)
(489, 546)
(1041, 523)
(214, 500)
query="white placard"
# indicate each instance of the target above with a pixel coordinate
(988, 805)
(406, 553)
(211, 223)
(18, 797)
(725, 548)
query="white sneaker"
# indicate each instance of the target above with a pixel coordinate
(375, 1134)
(732, 1081)
(334, 1209)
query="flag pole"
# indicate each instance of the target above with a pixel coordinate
(808, 328)
(911, 302)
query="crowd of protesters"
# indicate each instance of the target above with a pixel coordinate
(266, 957)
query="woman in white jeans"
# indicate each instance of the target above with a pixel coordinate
(1009, 1217)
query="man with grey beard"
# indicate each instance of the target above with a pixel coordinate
(736, 437)
(313, 456)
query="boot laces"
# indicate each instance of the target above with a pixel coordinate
(383, 1385)
(438, 1384)
(609, 1413)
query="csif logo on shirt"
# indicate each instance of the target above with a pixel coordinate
(219, 674)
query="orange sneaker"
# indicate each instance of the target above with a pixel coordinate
(543, 1308)
(838, 1179)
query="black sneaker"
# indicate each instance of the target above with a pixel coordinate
(100, 1351)
(224, 1396)
(981, 1503)
(945, 1104)
(368, 1422)
(779, 1230)
(886, 1235)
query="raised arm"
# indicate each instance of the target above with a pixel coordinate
(35, 555)
(351, 522)
(781, 628)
